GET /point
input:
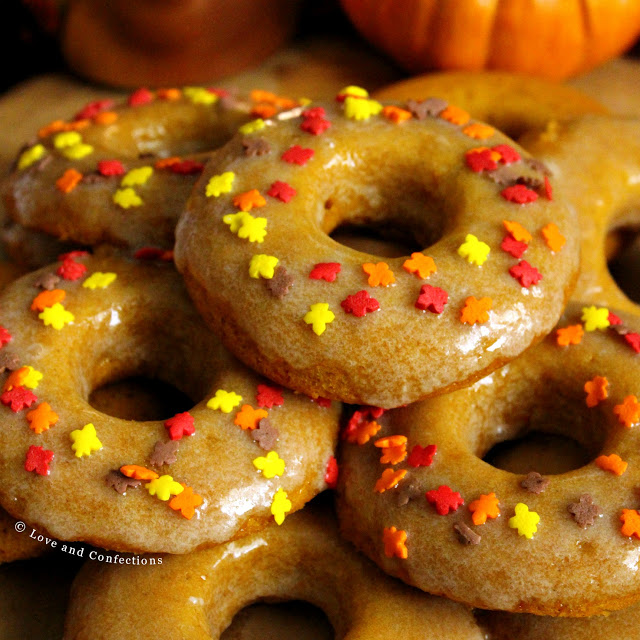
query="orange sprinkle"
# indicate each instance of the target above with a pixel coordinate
(552, 236)
(419, 264)
(613, 463)
(15, 379)
(169, 94)
(496, 156)
(570, 335)
(186, 502)
(379, 274)
(455, 115)
(164, 163)
(77, 125)
(248, 200)
(249, 418)
(395, 114)
(47, 299)
(596, 390)
(69, 180)
(628, 412)
(479, 131)
(389, 479)
(264, 111)
(475, 311)
(394, 543)
(258, 95)
(516, 230)
(393, 455)
(390, 441)
(41, 418)
(362, 432)
(53, 127)
(486, 506)
(105, 117)
(283, 102)
(137, 472)
(630, 519)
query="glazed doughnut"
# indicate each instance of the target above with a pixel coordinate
(120, 173)
(621, 625)
(512, 102)
(15, 545)
(303, 560)
(433, 488)
(247, 452)
(596, 162)
(254, 241)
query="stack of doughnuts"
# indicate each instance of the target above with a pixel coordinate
(196, 234)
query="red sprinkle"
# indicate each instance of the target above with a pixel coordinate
(359, 304)
(513, 247)
(5, 336)
(525, 274)
(432, 299)
(91, 110)
(139, 97)
(71, 270)
(633, 340)
(180, 425)
(72, 255)
(186, 167)
(315, 126)
(18, 398)
(444, 499)
(613, 319)
(480, 160)
(519, 194)
(421, 456)
(38, 460)
(268, 397)
(325, 271)
(508, 154)
(325, 403)
(282, 191)
(314, 112)
(153, 253)
(548, 191)
(297, 155)
(331, 473)
(110, 168)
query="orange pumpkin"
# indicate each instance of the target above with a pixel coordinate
(548, 38)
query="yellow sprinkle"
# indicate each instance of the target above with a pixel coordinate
(220, 184)
(271, 465)
(67, 139)
(252, 127)
(85, 441)
(56, 316)
(225, 401)
(280, 506)
(32, 378)
(263, 266)
(361, 109)
(31, 155)
(77, 151)
(200, 95)
(137, 176)
(126, 198)
(99, 280)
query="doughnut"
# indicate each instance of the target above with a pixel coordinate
(621, 625)
(120, 173)
(16, 545)
(331, 321)
(245, 455)
(596, 162)
(196, 595)
(512, 102)
(417, 497)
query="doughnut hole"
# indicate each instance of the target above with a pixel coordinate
(139, 398)
(622, 249)
(147, 372)
(291, 620)
(387, 219)
(543, 427)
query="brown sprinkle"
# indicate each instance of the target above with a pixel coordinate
(466, 535)
(255, 147)
(8, 361)
(535, 483)
(47, 281)
(120, 482)
(164, 453)
(428, 107)
(584, 511)
(266, 435)
(280, 284)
